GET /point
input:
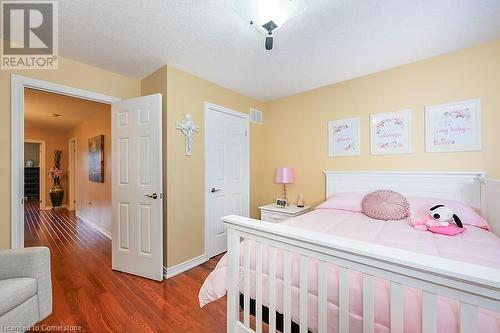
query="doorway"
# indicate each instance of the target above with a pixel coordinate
(34, 171)
(18, 86)
(226, 172)
(59, 122)
(136, 183)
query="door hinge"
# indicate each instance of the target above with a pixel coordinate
(246, 133)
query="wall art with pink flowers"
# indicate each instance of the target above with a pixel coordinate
(453, 127)
(344, 137)
(391, 132)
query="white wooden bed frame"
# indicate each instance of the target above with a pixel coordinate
(473, 286)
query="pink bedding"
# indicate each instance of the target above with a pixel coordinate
(475, 245)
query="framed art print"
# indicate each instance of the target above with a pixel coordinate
(344, 137)
(453, 127)
(391, 133)
(96, 159)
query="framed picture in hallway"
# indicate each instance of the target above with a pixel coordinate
(96, 159)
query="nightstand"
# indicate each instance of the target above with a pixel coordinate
(273, 214)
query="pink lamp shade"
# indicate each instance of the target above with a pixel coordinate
(284, 175)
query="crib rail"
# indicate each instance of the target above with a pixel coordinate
(471, 285)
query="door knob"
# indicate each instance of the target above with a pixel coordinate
(213, 190)
(152, 196)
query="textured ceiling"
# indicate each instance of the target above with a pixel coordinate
(332, 41)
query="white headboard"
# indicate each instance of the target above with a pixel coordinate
(492, 190)
(465, 187)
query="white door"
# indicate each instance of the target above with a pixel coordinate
(137, 225)
(226, 172)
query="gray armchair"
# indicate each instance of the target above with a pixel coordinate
(25, 288)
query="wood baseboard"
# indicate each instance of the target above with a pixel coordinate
(50, 207)
(185, 266)
(103, 231)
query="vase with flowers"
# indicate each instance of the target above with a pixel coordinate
(56, 192)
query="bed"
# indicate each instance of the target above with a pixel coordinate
(336, 270)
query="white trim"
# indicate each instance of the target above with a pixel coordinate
(222, 109)
(457, 173)
(492, 212)
(17, 85)
(217, 108)
(185, 266)
(460, 186)
(43, 172)
(94, 225)
(60, 89)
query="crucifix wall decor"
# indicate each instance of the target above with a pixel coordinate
(188, 128)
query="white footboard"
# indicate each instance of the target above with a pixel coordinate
(471, 285)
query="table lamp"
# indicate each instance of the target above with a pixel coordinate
(284, 175)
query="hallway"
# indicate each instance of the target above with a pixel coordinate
(90, 297)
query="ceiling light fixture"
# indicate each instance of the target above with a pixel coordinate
(268, 15)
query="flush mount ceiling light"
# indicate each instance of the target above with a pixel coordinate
(268, 15)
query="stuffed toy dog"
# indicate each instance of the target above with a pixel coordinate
(442, 217)
(438, 221)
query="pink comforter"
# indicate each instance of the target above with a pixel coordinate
(475, 245)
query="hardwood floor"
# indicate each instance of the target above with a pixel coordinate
(89, 294)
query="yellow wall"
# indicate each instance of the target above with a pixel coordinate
(93, 200)
(185, 199)
(70, 73)
(301, 120)
(185, 175)
(53, 141)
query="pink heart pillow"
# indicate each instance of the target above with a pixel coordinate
(385, 205)
(449, 230)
